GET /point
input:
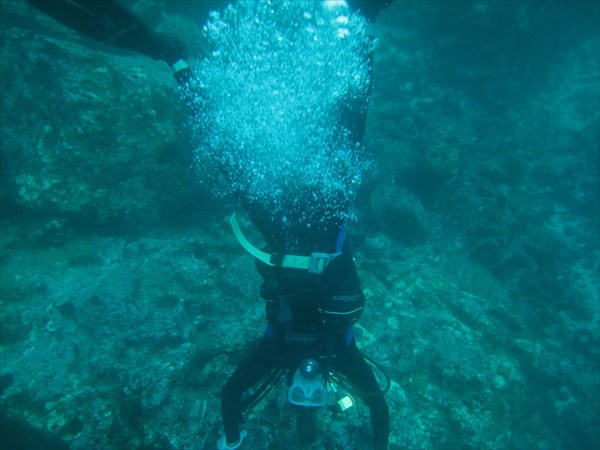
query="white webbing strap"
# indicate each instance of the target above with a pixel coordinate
(314, 263)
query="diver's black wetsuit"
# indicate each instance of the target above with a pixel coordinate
(309, 315)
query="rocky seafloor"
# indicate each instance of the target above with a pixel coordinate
(126, 301)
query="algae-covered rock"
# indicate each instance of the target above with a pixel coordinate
(399, 213)
(487, 325)
(89, 135)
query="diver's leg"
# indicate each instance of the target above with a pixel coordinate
(354, 367)
(255, 365)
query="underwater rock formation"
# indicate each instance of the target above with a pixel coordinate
(125, 300)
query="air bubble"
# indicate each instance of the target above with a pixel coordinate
(272, 88)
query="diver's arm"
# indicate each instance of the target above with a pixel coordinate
(109, 22)
(353, 111)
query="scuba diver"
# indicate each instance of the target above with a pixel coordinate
(310, 283)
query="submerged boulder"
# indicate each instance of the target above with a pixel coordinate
(399, 213)
(92, 136)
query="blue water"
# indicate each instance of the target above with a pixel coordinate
(472, 202)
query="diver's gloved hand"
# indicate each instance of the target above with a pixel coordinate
(172, 51)
(223, 445)
(369, 9)
(167, 48)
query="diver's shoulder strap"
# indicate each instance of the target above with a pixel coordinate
(315, 263)
(258, 254)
